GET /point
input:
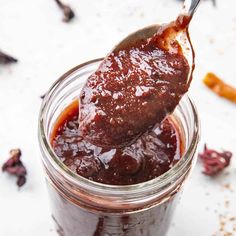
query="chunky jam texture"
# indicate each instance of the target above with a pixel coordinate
(134, 88)
(119, 133)
(149, 156)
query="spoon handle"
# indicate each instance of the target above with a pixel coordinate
(190, 7)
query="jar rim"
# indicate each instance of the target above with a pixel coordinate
(77, 180)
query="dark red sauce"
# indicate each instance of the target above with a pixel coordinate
(149, 156)
(135, 88)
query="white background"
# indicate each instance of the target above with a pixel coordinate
(46, 47)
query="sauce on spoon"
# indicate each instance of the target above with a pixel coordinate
(135, 87)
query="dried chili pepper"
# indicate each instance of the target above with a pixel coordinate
(219, 87)
(213, 161)
(14, 166)
(6, 59)
(67, 11)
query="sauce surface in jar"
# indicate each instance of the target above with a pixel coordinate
(148, 157)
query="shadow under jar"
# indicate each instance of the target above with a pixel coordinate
(81, 207)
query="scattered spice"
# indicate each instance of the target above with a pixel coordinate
(67, 11)
(211, 40)
(43, 96)
(6, 59)
(59, 229)
(226, 224)
(219, 87)
(227, 203)
(213, 161)
(228, 187)
(14, 166)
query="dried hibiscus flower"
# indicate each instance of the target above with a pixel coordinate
(14, 166)
(6, 59)
(219, 87)
(67, 11)
(213, 161)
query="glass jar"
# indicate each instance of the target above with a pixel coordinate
(81, 207)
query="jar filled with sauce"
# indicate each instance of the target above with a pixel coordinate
(97, 207)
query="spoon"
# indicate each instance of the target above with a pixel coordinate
(139, 83)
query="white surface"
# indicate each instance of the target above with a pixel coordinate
(46, 47)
